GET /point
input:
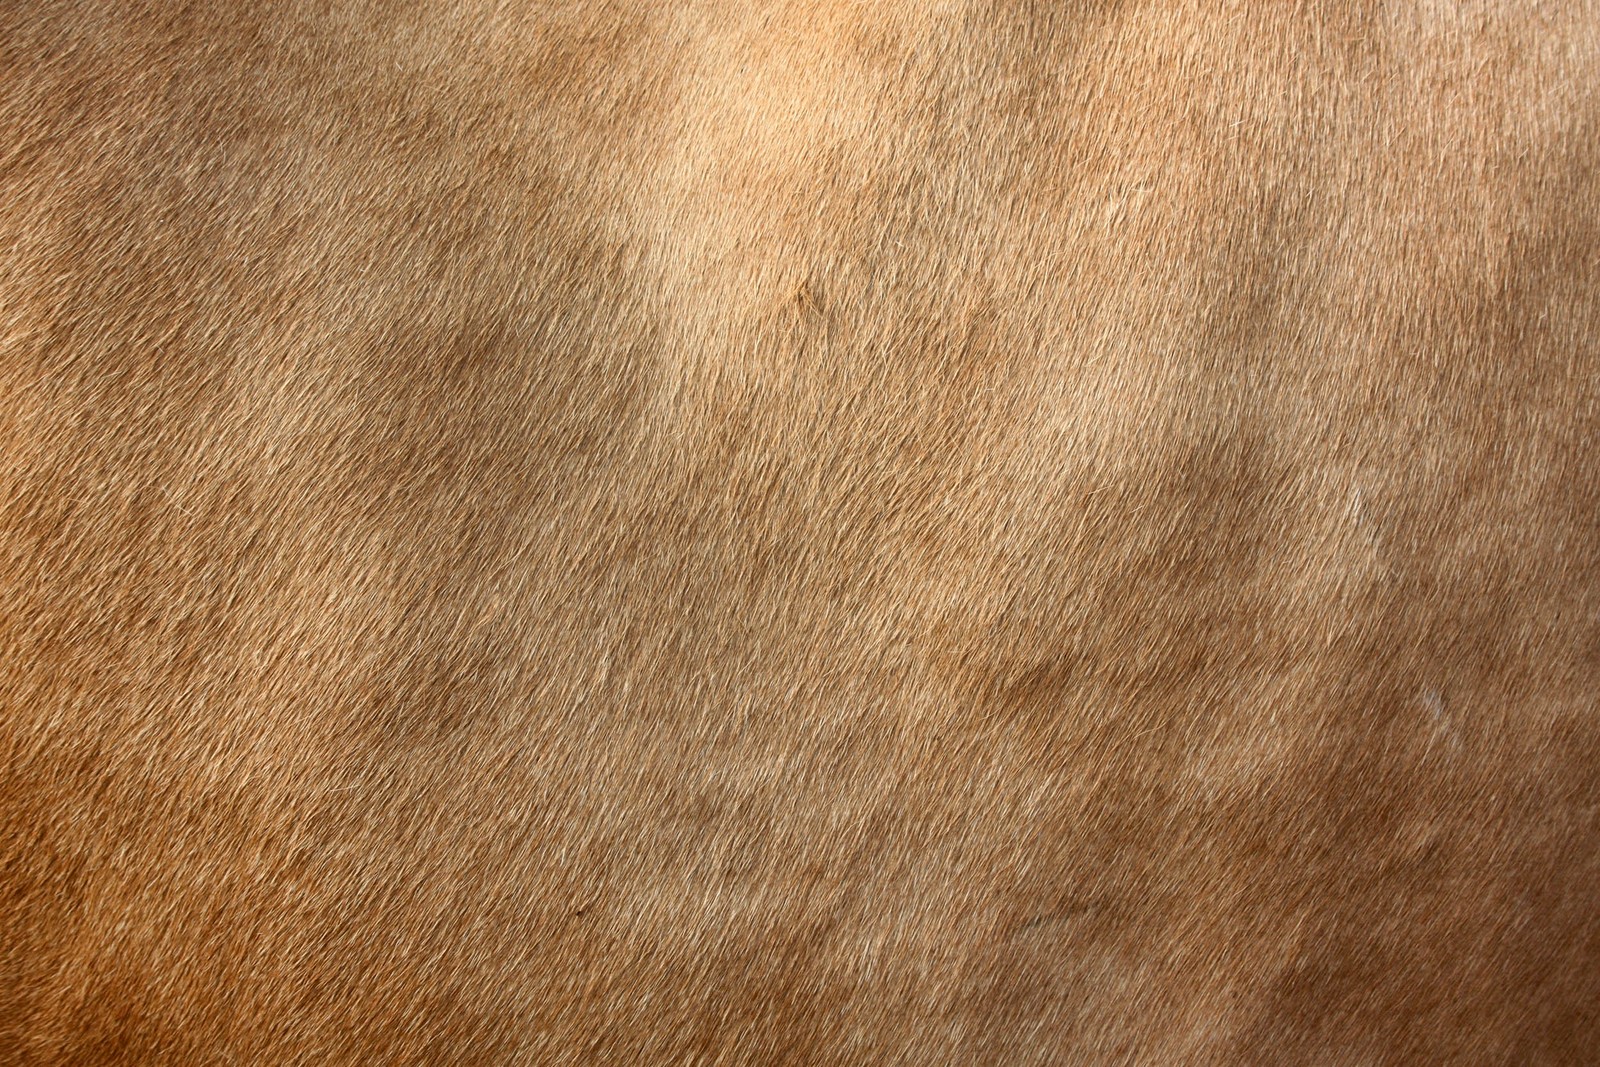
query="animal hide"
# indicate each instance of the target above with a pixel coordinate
(918, 532)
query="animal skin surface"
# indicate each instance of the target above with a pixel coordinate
(657, 532)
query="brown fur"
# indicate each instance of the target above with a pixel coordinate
(833, 533)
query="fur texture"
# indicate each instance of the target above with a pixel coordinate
(642, 532)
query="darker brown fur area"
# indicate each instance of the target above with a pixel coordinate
(805, 532)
